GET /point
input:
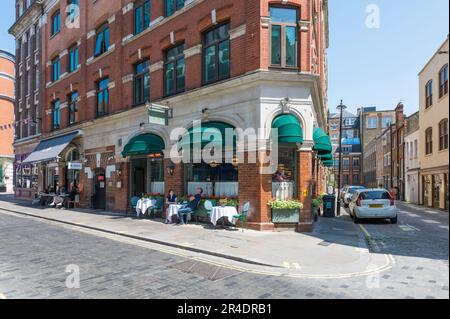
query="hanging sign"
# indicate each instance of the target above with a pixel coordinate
(159, 114)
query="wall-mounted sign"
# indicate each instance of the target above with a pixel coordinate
(159, 114)
(75, 166)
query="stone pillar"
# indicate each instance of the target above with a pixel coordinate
(305, 181)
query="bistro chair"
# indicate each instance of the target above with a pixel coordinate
(194, 213)
(133, 203)
(243, 216)
(159, 207)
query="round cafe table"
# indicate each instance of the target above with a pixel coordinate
(173, 211)
(143, 205)
(219, 212)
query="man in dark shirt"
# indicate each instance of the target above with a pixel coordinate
(190, 207)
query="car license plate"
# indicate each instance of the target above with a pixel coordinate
(376, 206)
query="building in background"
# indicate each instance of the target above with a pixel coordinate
(7, 99)
(433, 141)
(226, 64)
(371, 163)
(412, 163)
(28, 114)
(398, 145)
(372, 124)
(351, 147)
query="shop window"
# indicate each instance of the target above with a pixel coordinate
(142, 16)
(141, 82)
(443, 135)
(101, 40)
(173, 5)
(216, 54)
(174, 71)
(102, 97)
(284, 39)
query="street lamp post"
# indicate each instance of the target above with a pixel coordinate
(340, 107)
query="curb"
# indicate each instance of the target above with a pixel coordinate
(154, 241)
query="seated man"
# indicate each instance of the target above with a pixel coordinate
(190, 207)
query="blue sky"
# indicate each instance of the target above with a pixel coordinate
(379, 67)
(367, 67)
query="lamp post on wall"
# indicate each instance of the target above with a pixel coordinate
(341, 108)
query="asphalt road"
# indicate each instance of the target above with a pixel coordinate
(40, 259)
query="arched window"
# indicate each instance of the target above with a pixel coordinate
(73, 155)
(443, 81)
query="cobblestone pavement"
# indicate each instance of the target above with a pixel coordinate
(35, 254)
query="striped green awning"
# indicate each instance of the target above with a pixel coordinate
(325, 157)
(289, 129)
(322, 142)
(207, 133)
(328, 163)
(144, 144)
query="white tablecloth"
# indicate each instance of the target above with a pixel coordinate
(173, 211)
(219, 212)
(143, 205)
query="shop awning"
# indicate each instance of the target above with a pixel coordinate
(322, 142)
(328, 163)
(325, 157)
(144, 144)
(49, 150)
(207, 133)
(289, 129)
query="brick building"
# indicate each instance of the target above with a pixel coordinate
(119, 77)
(26, 31)
(372, 124)
(412, 163)
(7, 81)
(351, 147)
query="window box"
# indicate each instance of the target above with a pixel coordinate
(285, 216)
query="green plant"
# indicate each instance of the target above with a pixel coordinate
(285, 204)
(317, 202)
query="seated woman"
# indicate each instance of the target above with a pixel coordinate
(170, 200)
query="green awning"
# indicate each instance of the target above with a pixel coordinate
(207, 133)
(325, 157)
(322, 142)
(144, 144)
(289, 129)
(328, 163)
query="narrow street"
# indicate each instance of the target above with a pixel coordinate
(35, 255)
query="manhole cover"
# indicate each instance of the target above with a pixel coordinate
(207, 271)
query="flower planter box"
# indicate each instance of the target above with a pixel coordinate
(285, 216)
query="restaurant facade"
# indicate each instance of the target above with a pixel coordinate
(247, 77)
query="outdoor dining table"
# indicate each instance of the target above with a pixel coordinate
(144, 204)
(223, 211)
(173, 211)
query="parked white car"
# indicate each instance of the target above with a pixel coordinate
(348, 194)
(373, 204)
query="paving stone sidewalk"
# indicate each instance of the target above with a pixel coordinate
(336, 248)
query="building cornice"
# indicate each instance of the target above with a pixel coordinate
(35, 9)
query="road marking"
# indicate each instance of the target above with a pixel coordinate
(388, 264)
(431, 212)
(429, 221)
(444, 227)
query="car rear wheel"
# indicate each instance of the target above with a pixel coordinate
(356, 220)
(394, 220)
